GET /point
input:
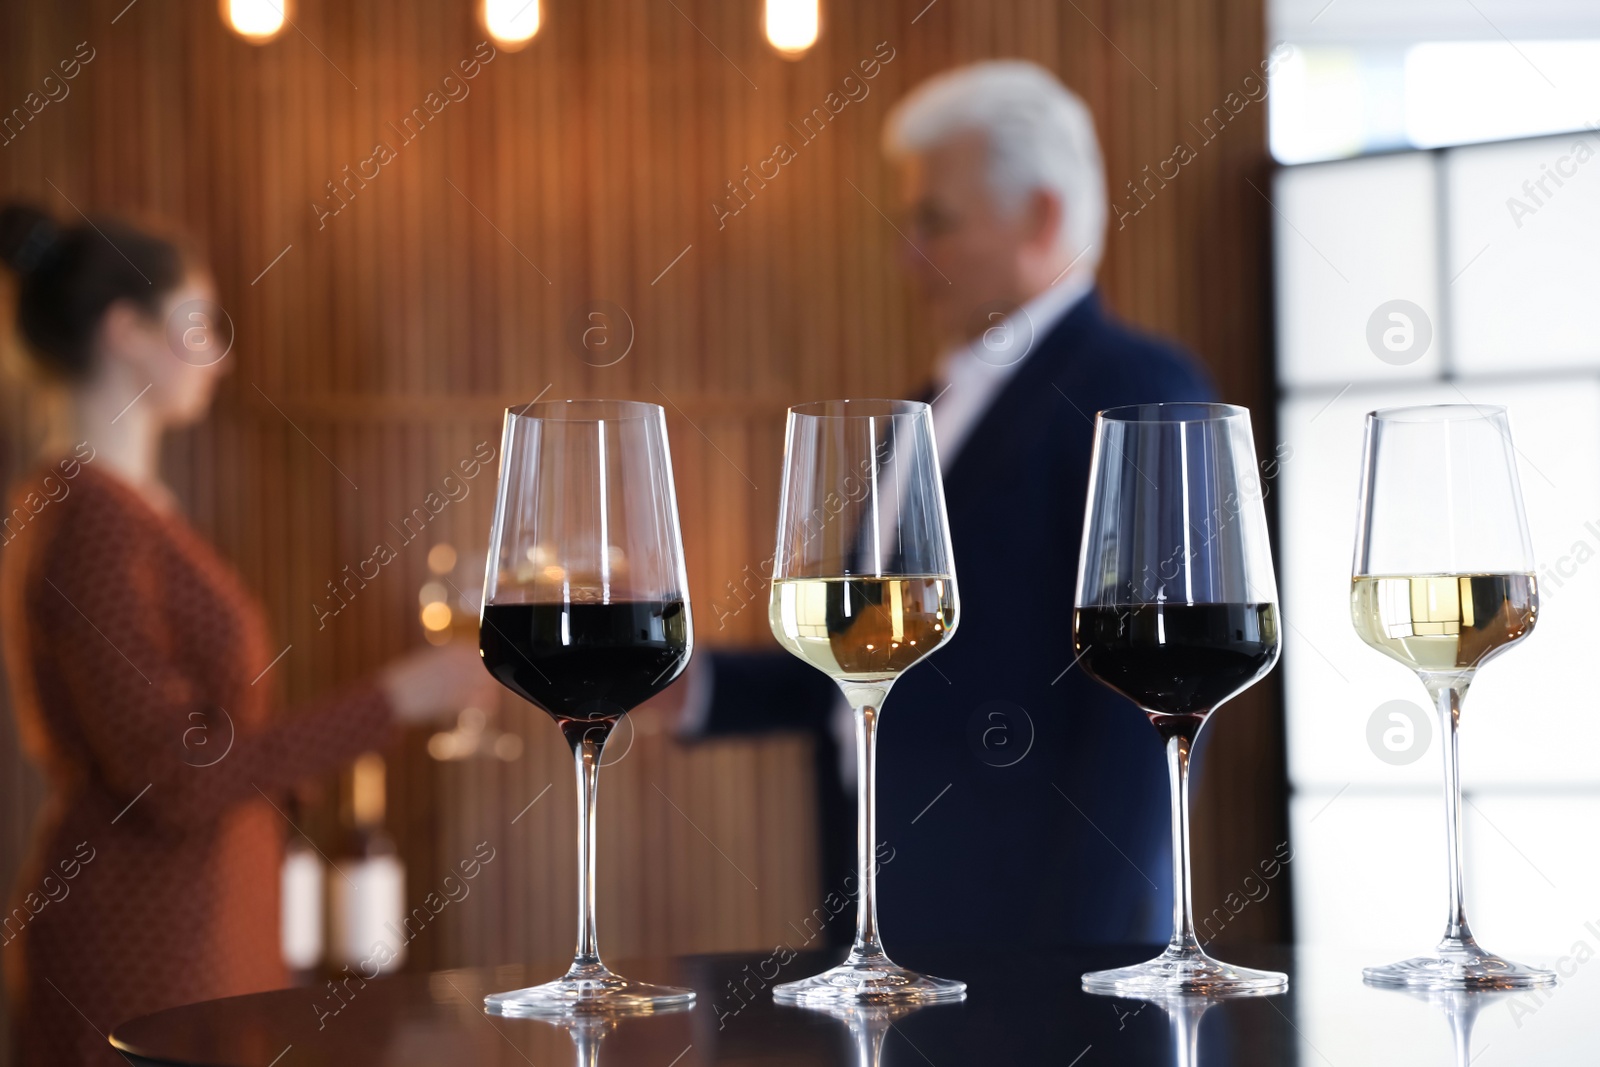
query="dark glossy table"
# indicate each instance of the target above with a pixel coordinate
(1026, 1011)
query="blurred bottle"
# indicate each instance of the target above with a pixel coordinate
(367, 892)
(303, 885)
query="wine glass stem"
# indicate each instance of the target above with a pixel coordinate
(1186, 1034)
(1449, 698)
(869, 1044)
(587, 1047)
(586, 756)
(1183, 939)
(867, 942)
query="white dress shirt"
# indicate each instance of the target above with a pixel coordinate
(970, 377)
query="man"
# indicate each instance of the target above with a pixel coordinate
(1014, 792)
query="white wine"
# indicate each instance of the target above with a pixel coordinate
(863, 629)
(1444, 622)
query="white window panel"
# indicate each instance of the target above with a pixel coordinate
(1319, 107)
(1366, 22)
(1530, 878)
(1349, 237)
(1370, 888)
(1458, 92)
(1527, 273)
(1524, 707)
(1332, 680)
(1369, 871)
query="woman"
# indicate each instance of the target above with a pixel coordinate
(134, 653)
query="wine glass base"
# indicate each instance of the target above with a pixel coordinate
(871, 980)
(591, 990)
(1185, 973)
(1458, 965)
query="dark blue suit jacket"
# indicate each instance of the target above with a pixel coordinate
(1016, 795)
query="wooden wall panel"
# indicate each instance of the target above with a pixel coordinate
(583, 169)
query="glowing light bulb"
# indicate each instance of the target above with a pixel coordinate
(257, 21)
(792, 25)
(442, 558)
(512, 23)
(436, 616)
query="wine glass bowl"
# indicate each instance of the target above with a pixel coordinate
(863, 589)
(1177, 610)
(586, 615)
(1443, 581)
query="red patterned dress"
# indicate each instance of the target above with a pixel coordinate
(136, 661)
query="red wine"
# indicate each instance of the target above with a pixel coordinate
(586, 662)
(1177, 660)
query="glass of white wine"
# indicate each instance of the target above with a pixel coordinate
(1443, 582)
(863, 588)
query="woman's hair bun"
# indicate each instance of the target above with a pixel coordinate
(27, 235)
(67, 276)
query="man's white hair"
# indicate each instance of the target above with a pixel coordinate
(1039, 134)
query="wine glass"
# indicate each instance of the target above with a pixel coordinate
(863, 588)
(586, 615)
(1177, 610)
(1443, 582)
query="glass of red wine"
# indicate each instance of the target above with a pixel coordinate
(586, 615)
(1177, 610)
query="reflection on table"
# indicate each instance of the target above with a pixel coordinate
(1018, 1011)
